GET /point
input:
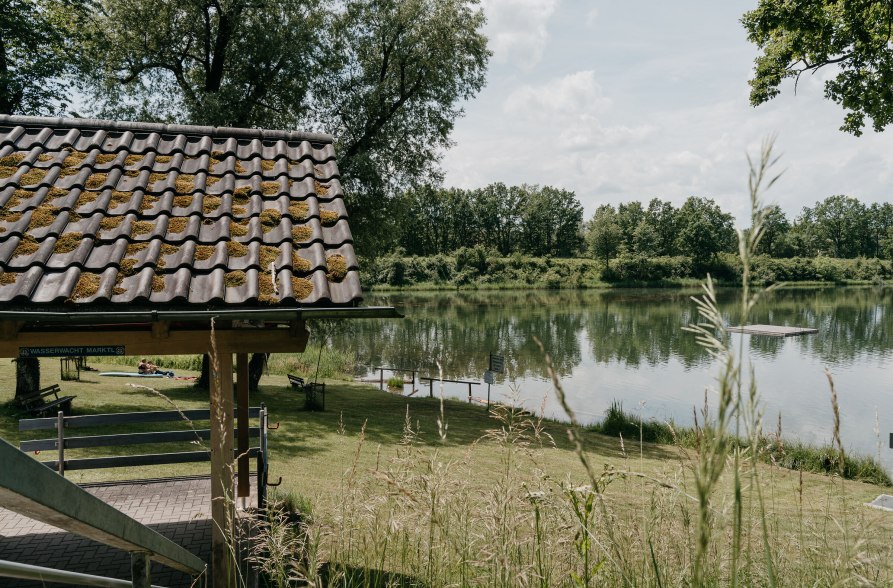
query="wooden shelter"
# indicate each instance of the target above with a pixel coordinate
(145, 239)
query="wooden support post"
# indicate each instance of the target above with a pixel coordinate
(222, 529)
(140, 570)
(60, 441)
(244, 484)
(381, 379)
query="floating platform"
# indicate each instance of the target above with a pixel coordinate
(773, 330)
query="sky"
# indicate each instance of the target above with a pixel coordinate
(630, 100)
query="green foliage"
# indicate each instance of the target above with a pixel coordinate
(33, 56)
(604, 233)
(805, 36)
(641, 269)
(704, 230)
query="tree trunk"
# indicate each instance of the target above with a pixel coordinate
(256, 366)
(27, 376)
(204, 380)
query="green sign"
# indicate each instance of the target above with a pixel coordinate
(78, 351)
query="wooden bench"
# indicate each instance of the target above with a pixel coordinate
(314, 393)
(38, 403)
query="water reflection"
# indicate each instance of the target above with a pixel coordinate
(630, 345)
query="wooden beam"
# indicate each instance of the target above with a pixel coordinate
(161, 330)
(9, 330)
(243, 483)
(284, 340)
(222, 502)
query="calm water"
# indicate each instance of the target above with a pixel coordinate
(629, 346)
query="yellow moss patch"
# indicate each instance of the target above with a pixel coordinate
(7, 278)
(203, 252)
(240, 169)
(185, 183)
(34, 176)
(118, 290)
(134, 248)
(54, 193)
(183, 201)
(168, 249)
(266, 289)
(15, 200)
(87, 286)
(299, 264)
(156, 177)
(133, 159)
(238, 229)
(104, 158)
(236, 249)
(127, 267)
(131, 173)
(240, 210)
(211, 203)
(337, 266)
(148, 202)
(242, 195)
(320, 189)
(160, 264)
(163, 158)
(141, 228)
(301, 287)
(10, 216)
(268, 255)
(7, 171)
(298, 210)
(177, 224)
(74, 159)
(45, 157)
(267, 164)
(157, 283)
(270, 219)
(26, 246)
(96, 180)
(270, 188)
(111, 222)
(119, 198)
(20, 195)
(328, 217)
(301, 233)
(12, 160)
(233, 279)
(68, 242)
(43, 216)
(211, 180)
(69, 171)
(86, 198)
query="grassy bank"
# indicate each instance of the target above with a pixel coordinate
(483, 270)
(446, 494)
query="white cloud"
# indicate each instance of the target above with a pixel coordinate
(518, 29)
(591, 18)
(572, 96)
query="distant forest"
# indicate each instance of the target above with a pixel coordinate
(547, 221)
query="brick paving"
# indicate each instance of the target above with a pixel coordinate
(179, 509)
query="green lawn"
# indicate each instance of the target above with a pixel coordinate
(357, 458)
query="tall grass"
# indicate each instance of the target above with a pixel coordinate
(713, 515)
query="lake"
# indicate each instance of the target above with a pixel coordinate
(629, 346)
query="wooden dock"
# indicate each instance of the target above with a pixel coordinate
(773, 330)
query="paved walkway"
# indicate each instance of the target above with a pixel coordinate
(178, 509)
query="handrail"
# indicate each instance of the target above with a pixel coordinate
(126, 418)
(431, 381)
(11, 569)
(33, 490)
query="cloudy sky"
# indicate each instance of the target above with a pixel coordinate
(629, 100)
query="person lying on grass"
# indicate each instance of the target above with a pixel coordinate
(147, 367)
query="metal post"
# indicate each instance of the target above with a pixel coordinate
(381, 379)
(60, 441)
(431, 388)
(488, 397)
(262, 460)
(469, 391)
(140, 570)
(243, 486)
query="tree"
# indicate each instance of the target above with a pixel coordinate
(629, 215)
(840, 225)
(497, 212)
(551, 222)
(603, 233)
(386, 77)
(704, 229)
(661, 218)
(33, 58)
(805, 36)
(775, 230)
(879, 220)
(27, 376)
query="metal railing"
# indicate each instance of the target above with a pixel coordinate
(29, 488)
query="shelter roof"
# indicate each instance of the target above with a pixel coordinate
(101, 214)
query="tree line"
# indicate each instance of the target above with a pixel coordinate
(548, 221)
